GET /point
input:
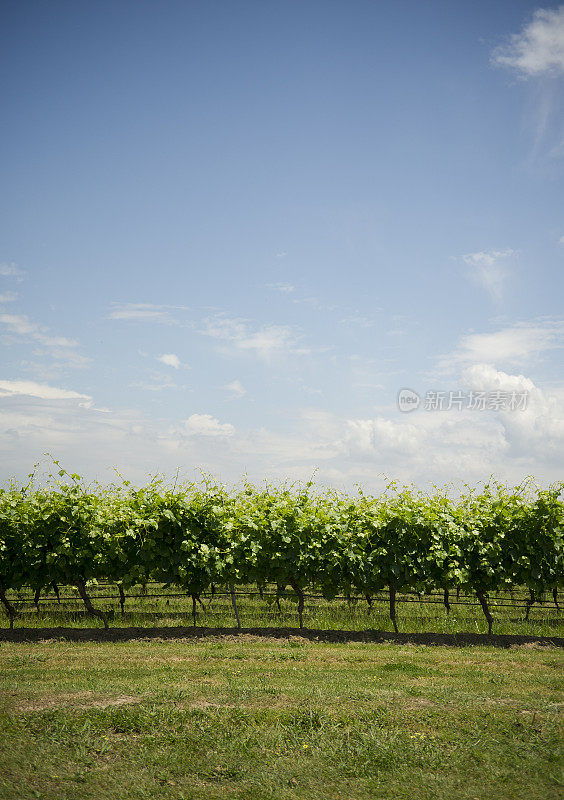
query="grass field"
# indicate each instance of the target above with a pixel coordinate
(256, 718)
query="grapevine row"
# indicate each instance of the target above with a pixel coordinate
(195, 537)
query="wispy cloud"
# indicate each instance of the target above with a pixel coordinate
(352, 316)
(539, 48)
(235, 388)
(513, 345)
(66, 356)
(489, 270)
(357, 320)
(11, 270)
(366, 373)
(40, 390)
(315, 303)
(206, 425)
(145, 312)
(265, 341)
(158, 384)
(537, 54)
(21, 325)
(285, 288)
(59, 348)
(8, 297)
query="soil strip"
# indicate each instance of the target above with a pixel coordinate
(177, 632)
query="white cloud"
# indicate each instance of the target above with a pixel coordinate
(144, 312)
(539, 48)
(485, 378)
(170, 359)
(489, 270)
(462, 446)
(8, 297)
(285, 288)
(381, 436)
(517, 344)
(11, 270)
(40, 390)
(538, 429)
(236, 388)
(94, 443)
(264, 342)
(206, 425)
(561, 240)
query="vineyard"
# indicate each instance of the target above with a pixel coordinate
(498, 547)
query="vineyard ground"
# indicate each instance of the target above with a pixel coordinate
(251, 717)
(167, 608)
(312, 634)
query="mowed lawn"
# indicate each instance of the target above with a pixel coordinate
(246, 717)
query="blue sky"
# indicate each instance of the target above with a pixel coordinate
(232, 232)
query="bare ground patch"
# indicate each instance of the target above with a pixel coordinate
(79, 700)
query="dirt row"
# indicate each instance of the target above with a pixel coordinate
(126, 634)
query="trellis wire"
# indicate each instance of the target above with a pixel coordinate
(408, 597)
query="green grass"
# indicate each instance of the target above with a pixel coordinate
(413, 616)
(251, 718)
